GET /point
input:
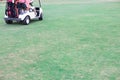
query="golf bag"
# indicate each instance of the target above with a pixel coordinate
(10, 10)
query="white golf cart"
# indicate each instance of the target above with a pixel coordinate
(19, 13)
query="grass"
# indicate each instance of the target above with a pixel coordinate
(75, 41)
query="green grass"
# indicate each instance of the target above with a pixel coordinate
(75, 41)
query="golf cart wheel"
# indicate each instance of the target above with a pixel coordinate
(8, 21)
(41, 17)
(26, 21)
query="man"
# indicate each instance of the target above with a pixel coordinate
(21, 6)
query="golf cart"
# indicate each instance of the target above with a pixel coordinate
(18, 12)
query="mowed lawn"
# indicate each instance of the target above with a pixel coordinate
(77, 40)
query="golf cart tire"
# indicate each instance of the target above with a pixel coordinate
(41, 17)
(8, 21)
(26, 21)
